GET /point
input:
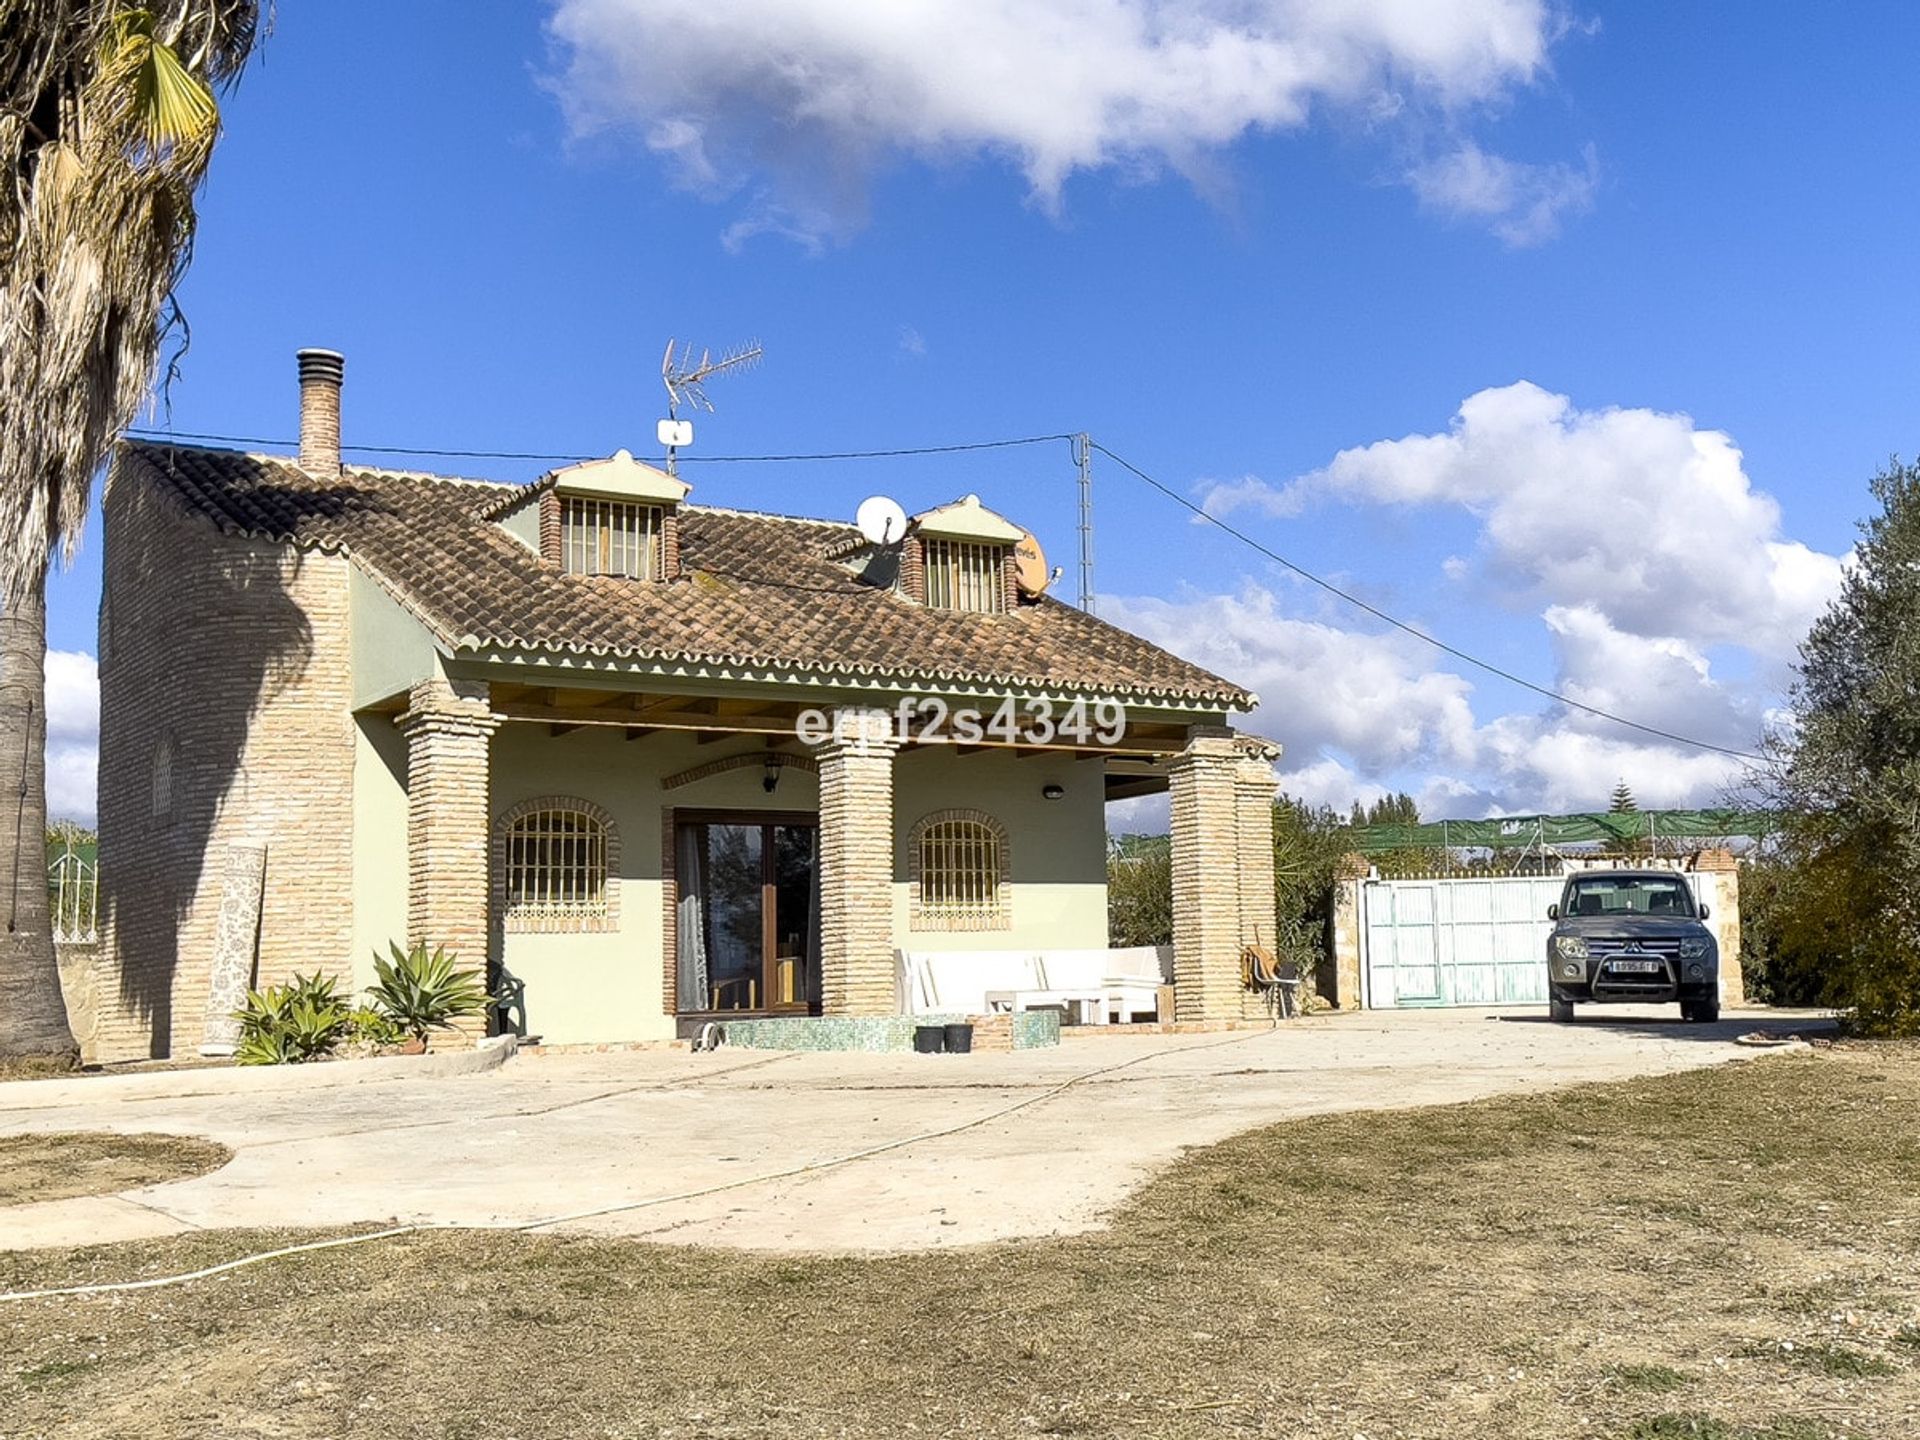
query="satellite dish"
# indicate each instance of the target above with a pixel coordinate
(675, 434)
(1030, 566)
(881, 520)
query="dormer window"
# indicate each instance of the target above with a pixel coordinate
(612, 517)
(965, 575)
(611, 537)
(961, 557)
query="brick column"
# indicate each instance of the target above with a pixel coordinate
(856, 865)
(1206, 877)
(448, 725)
(1253, 796)
(1253, 788)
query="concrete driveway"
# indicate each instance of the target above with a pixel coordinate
(703, 1148)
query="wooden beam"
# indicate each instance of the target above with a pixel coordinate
(640, 732)
(557, 730)
(712, 737)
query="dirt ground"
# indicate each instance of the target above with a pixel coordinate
(37, 1168)
(1724, 1254)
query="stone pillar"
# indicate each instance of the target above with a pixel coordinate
(1349, 879)
(1206, 877)
(856, 865)
(1724, 866)
(448, 724)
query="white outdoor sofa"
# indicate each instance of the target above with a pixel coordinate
(1092, 986)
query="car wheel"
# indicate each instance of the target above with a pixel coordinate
(1560, 1010)
(1700, 1012)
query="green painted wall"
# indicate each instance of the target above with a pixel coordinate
(588, 989)
(379, 842)
(1059, 847)
(607, 987)
(523, 524)
(391, 649)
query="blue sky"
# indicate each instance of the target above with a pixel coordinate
(1667, 248)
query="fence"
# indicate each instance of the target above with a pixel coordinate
(73, 894)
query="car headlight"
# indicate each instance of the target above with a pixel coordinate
(1693, 947)
(1570, 947)
(1696, 971)
(1572, 969)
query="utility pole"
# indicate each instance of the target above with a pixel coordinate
(1083, 457)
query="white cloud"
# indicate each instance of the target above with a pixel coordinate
(816, 95)
(913, 345)
(1635, 513)
(73, 735)
(1362, 713)
(1522, 203)
(1324, 688)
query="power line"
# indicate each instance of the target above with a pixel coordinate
(164, 438)
(906, 451)
(1414, 630)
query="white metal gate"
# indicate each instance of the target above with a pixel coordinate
(1458, 942)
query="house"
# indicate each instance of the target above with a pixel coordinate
(661, 760)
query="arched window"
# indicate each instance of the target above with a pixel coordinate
(552, 866)
(959, 872)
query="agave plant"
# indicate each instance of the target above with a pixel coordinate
(420, 990)
(288, 1024)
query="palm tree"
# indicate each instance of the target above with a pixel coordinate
(107, 122)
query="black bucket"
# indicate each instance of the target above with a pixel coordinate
(960, 1039)
(930, 1039)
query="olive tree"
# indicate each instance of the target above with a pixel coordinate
(1847, 776)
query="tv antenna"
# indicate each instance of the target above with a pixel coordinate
(686, 379)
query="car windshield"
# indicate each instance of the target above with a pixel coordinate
(1628, 895)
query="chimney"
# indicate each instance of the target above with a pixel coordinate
(321, 373)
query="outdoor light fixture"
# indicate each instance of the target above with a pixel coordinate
(773, 774)
(1053, 792)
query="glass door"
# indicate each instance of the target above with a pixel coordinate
(748, 922)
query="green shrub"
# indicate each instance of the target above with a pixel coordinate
(368, 1026)
(421, 991)
(1140, 893)
(292, 1023)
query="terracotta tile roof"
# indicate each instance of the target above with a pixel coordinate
(759, 590)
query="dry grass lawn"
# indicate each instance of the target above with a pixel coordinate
(1731, 1254)
(60, 1166)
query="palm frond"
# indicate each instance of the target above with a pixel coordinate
(107, 123)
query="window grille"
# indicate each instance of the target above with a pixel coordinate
(611, 537)
(555, 865)
(964, 575)
(960, 874)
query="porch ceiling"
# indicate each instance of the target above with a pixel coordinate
(640, 713)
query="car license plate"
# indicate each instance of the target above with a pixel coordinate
(1636, 967)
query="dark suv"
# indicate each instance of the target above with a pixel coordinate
(1631, 936)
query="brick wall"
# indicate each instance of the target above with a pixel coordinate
(233, 655)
